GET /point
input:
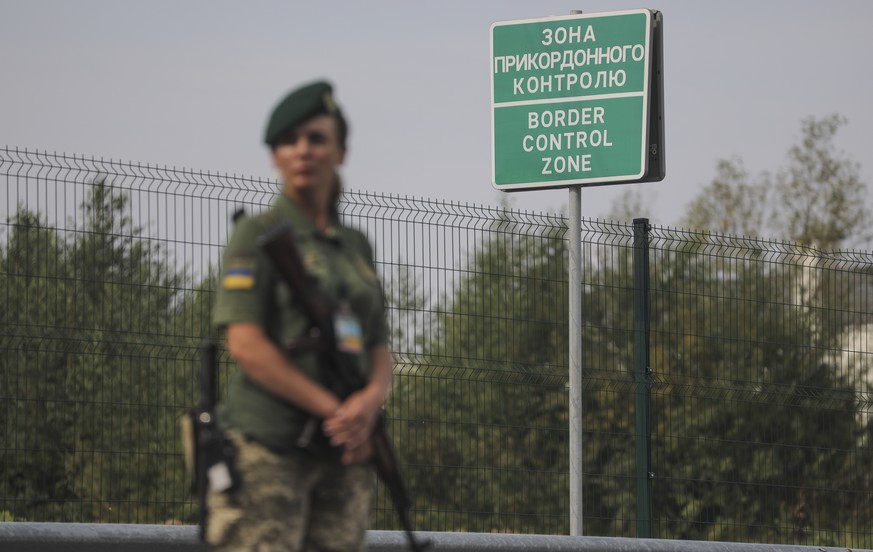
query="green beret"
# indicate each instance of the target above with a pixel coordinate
(301, 104)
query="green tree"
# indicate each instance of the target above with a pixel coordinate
(34, 370)
(482, 417)
(818, 199)
(764, 415)
(87, 382)
(730, 204)
(754, 425)
(821, 197)
(498, 358)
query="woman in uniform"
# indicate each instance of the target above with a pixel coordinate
(288, 497)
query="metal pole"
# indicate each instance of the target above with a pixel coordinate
(642, 378)
(575, 310)
(574, 226)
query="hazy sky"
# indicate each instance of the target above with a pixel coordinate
(190, 84)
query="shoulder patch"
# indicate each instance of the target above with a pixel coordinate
(239, 274)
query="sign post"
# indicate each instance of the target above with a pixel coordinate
(577, 101)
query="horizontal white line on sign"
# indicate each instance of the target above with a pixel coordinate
(573, 99)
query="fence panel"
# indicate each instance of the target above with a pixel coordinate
(760, 392)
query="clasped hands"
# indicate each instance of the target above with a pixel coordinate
(351, 425)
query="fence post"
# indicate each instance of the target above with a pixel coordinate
(642, 377)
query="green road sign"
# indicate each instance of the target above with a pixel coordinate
(576, 100)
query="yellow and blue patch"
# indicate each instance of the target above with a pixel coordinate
(239, 275)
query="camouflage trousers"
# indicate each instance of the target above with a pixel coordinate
(290, 502)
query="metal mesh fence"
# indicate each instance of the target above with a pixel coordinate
(761, 394)
(760, 376)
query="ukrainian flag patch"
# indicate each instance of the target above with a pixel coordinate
(239, 275)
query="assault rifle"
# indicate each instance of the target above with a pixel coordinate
(209, 455)
(344, 372)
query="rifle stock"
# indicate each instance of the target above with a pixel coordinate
(345, 374)
(215, 453)
(205, 425)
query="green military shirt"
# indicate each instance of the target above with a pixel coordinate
(341, 260)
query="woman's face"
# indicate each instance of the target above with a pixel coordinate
(308, 155)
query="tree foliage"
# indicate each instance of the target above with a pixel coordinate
(755, 427)
(821, 197)
(498, 358)
(730, 204)
(818, 199)
(90, 369)
(755, 435)
(764, 414)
